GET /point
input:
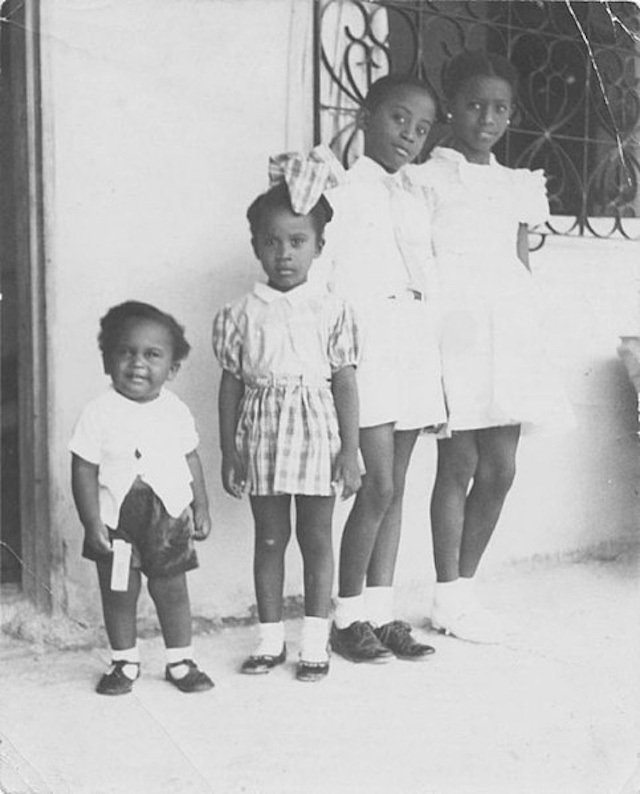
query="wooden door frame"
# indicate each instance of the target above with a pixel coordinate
(37, 573)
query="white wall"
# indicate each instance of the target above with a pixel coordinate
(159, 118)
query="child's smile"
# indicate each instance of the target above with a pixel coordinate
(142, 360)
(480, 116)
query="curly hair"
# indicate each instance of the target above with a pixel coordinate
(113, 321)
(277, 198)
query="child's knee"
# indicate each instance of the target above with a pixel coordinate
(497, 475)
(269, 546)
(378, 491)
(173, 588)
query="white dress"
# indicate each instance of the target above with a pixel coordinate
(378, 257)
(495, 365)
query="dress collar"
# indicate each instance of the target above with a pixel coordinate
(367, 170)
(453, 155)
(294, 296)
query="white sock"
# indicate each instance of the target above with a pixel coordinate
(131, 655)
(467, 589)
(379, 601)
(315, 634)
(271, 639)
(450, 595)
(174, 655)
(349, 610)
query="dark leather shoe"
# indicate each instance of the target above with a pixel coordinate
(115, 682)
(194, 681)
(260, 664)
(396, 636)
(312, 671)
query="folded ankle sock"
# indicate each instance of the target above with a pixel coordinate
(379, 602)
(271, 639)
(450, 595)
(349, 609)
(132, 657)
(174, 655)
(315, 633)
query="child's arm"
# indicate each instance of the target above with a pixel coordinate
(345, 396)
(523, 245)
(84, 485)
(233, 475)
(200, 504)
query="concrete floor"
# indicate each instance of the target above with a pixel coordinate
(553, 711)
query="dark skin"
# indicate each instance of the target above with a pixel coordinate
(286, 245)
(141, 362)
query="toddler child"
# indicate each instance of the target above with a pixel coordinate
(288, 419)
(137, 478)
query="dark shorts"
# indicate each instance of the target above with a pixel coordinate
(162, 545)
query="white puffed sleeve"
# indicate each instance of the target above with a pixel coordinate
(531, 192)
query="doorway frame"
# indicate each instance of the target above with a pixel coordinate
(35, 513)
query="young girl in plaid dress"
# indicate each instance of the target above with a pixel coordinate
(289, 418)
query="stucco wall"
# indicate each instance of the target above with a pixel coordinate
(159, 117)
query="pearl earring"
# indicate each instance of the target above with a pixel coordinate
(449, 116)
(508, 122)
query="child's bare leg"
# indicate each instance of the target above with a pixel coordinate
(313, 529)
(171, 598)
(395, 635)
(352, 636)
(385, 552)
(272, 519)
(457, 461)
(119, 608)
(370, 506)
(493, 478)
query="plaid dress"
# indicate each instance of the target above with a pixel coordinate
(285, 348)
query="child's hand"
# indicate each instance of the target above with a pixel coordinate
(97, 538)
(233, 476)
(347, 472)
(201, 523)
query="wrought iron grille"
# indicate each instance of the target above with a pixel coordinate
(579, 102)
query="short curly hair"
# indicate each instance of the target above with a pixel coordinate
(477, 63)
(113, 321)
(277, 198)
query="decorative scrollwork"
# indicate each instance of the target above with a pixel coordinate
(578, 108)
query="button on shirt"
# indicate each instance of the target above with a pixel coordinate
(128, 439)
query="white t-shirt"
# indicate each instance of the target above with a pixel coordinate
(128, 439)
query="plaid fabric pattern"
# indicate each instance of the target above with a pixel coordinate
(285, 347)
(288, 435)
(307, 177)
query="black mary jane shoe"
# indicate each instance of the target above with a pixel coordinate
(259, 664)
(115, 682)
(312, 671)
(194, 681)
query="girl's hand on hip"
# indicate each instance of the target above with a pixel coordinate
(347, 472)
(233, 476)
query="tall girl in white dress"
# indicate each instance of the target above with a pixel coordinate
(496, 376)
